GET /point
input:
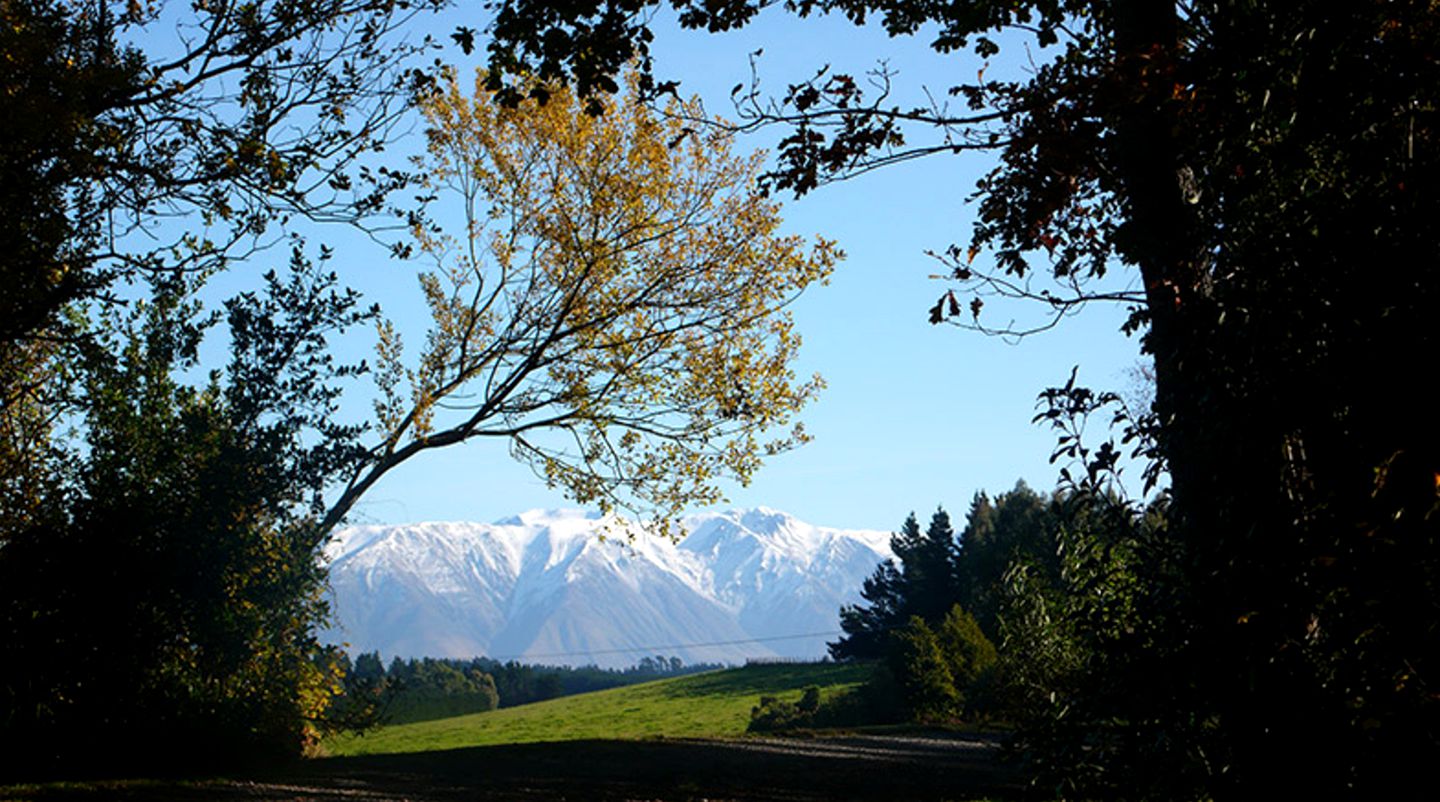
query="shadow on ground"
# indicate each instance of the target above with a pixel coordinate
(745, 770)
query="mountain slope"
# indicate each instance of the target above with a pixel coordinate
(568, 587)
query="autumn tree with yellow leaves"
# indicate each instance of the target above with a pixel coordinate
(607, 294)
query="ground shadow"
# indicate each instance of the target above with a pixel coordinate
(744, 770)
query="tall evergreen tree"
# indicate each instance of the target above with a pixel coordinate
(368, 668)
(922, 584)
(1017, 526)
(866, 625)
(907, 542)
(930, 573)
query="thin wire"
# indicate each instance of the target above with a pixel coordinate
(671, 646)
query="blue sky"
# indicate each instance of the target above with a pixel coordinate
(914, 415)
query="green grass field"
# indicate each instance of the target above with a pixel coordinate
(607, 746)
(714, 704)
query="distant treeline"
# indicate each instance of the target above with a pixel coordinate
(421, 689)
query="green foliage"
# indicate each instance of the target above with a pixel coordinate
(439, 690)
(867, 626)
(772, 714)
(520, 683)
(164, 609)
(968, 652)
(62, 70)
(940, 577)
(941, 672)
(926, 678)
(1074, 642)
(1019, 526)
(159, 586)
(809, 700)
(368, 669)
(929, 569)
(427, 688)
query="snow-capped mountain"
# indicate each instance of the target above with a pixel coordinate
(571, 587)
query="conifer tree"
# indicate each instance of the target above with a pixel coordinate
(930, 571)
(867, 625)
(907, 542)
(1017, 526)
(922, 584)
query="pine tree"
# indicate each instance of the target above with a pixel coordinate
(922, 584)
(930, 573)
(866, 626)
(368, 668)
(907, 542)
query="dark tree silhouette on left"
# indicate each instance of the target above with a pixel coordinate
(158, 581)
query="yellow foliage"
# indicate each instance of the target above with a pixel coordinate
(609, 293)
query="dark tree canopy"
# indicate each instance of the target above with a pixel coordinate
(867, 625)
(1266, 172)
(161, 605)
(159, 587)
(235, 116)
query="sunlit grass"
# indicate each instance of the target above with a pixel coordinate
(710, 705)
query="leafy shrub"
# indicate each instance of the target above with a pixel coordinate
(774, 714)
(971, 658)
(927, 683)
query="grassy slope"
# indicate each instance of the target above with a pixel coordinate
(715, 704)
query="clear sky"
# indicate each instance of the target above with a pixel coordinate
(914, 415)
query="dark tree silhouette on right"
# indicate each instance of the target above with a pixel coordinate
(1265, 175)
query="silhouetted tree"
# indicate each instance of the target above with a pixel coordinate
(157, 600)
(165, 608)
(930, 570)
(867, 626)
(1019, 525)
(368, 668)
(922, 584)
(1246, 161)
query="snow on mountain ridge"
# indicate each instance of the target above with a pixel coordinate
(545, 582)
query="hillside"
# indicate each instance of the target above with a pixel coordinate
(595, 747)
(714, 704)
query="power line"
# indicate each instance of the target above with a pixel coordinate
(653, 649)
